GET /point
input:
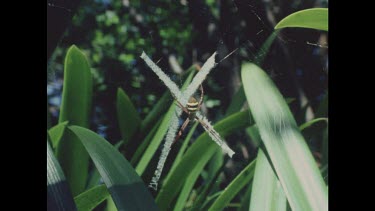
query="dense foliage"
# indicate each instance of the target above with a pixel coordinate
(267, 97)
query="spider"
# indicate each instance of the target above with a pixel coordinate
(192, 107)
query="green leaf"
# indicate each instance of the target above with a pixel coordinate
(125, 186)
(158, 138)
(90, 199)
(197, 156)
(242, 179)
(94, 178)
(312, 122)
(56, 133)
(316, 18)
(127, 115)
(75, 108)
(292, 160)
(58, 195)
(267, 193)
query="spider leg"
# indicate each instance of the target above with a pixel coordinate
(181, 130)
(182, 107)
(201, 98)
(212, 132)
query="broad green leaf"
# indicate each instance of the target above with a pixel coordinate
(58, 195)
(197, 156)
(75, 108)
(316, 18)
(292, 160)
(125, 186)
(56, 133)
(312, 122)
(158, 137)
(90, 199)
(94, 177)
(267, 193)
(128, 117)
(242, 179)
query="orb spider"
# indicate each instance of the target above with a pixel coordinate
(191, 109)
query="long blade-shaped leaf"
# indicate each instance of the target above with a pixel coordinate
(125, 186)
(56, 133)
(75, 108)
(312, 122)
(267, 193)
(89, 199)
(197, 156)
(58, 195)
(316, 18)
(127, 115)
(288, 151)
(242, 179)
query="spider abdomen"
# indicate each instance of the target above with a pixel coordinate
(192, 107)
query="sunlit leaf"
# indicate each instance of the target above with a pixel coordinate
(292, 160)
(267, 193)
(316, 18)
